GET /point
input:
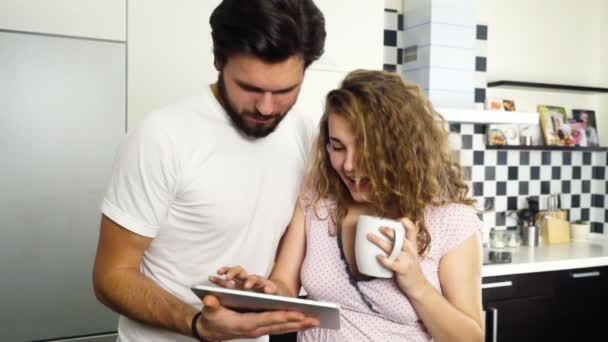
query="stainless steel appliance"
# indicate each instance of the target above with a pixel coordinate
(62, 114)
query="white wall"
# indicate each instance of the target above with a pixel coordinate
(602, 120)
(547, 41)
(81, 18)
(170, 51)
(394, 4)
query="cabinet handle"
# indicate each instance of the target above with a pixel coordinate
(497, 284)
(494, 324)
(585, 274)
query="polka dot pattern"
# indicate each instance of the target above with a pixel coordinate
(325, 278)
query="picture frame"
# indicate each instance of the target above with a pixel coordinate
(578, 133)
(587, 117)
(494, 104)
(508, 105)
(500, 104)
(502, 135)
(553, 123)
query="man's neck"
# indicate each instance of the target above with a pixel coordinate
(215, 90)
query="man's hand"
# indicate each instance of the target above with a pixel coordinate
(236, 277)
(219, 323)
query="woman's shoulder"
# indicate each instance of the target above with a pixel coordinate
(450, 211)
(450, 224)
(310, 199)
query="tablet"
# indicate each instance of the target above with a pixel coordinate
(246, 301)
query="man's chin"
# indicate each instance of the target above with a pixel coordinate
(258, 130)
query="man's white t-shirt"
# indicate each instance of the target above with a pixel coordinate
(207, 194)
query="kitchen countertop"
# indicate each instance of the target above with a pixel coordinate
(573, 255)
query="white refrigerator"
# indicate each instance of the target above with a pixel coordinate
(62, 116)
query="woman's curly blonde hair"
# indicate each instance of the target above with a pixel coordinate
(402, 148)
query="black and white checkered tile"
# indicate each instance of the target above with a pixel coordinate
(481, 65)
(502, 180)
(393, 30)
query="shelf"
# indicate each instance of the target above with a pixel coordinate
(455, 115)
(548, 148)
(562, 87)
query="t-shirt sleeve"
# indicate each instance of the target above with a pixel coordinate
(142, 181)
(460, 222)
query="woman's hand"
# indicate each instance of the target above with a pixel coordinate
(235, 277)
(406, 267)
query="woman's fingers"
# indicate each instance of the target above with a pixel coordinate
(386, 246)
(411, 230)
(390, 264)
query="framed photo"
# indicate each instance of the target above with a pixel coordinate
(494, 104)
(500, 104)
(577, 131)
(553, 123)
(508, 105)
(587, 118)
(503, 134)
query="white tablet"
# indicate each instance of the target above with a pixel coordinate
(245, 301)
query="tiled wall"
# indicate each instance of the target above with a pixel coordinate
(394, 49)
(502, 180)
(393, 40)
(481, 65)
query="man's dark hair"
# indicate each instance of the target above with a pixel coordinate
(272, 30)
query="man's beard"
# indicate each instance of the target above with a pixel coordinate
(258, 130)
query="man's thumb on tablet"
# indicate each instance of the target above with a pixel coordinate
(211, 303)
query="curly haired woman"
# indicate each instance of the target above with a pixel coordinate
(382, 151)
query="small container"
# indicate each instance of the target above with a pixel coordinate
(530, 236)
(504, 238)
(525, 140)
(579, 231)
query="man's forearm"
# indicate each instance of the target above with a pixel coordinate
(132, 294)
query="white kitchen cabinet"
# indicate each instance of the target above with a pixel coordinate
(170, 50)
(565, 305)
(99, 19)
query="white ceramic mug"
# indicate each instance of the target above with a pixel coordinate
(366, 251)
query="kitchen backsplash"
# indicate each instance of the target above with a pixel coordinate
(502, 180)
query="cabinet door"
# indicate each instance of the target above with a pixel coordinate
(583, 299)
(62, 117)
(99, 19)
(522, 320)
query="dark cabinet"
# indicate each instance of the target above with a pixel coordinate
(547, 306)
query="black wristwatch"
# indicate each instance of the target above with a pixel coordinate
(194, 330)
